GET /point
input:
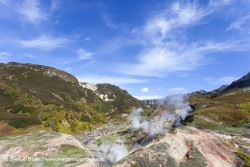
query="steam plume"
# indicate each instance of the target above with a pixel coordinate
(115, 151)
(178, 111)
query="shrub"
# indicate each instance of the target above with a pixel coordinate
(10, 91)
(19, 120)
(16, 108)
(244, 106)
(5, 129)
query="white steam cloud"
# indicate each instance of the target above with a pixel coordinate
(115, 151)
(178, 111)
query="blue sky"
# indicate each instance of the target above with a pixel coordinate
(150, 48)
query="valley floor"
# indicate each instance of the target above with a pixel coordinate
(184, 146)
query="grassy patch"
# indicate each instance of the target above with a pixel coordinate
(243, 157)
(195, 159)
(107, 139)
(143, 162)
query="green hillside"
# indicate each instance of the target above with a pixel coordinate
(39, 95)
(228, 112)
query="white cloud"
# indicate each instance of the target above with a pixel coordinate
(148, 97)
(221, 81)
(158, 61)
(109, 21)
(95, 79)
(5, 2)
(166, 49)
(4, 56)
(31, 11)
(164, 52)
(87, 39)
(144, 90)
(180, 15)
(240, 24)
(83, 54)
(44, 42)
(54, 5)
(219, 3)
(177, 90)
(29, 55)
(117, 43)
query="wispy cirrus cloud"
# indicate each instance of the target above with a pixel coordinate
(240, 24)
(4, 56)
(5, 2)
(219, 3)
(95, 79)
(44, 42)
(29, 55)
(30, 11)
(158, 61)
(177, 90)
(83, 54)
(180, 15)
(87, 39)
(167, 46)
(221, 81)
(54, 5)
(109, 21)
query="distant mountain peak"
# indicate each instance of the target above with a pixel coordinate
(240, 83)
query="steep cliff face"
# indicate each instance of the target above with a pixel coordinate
(120, 99)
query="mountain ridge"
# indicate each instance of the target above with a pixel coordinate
(240, 83)
(50, 71)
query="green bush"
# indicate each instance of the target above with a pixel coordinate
(16, 108)
(10, 91)
(19, 120)
(244, 106)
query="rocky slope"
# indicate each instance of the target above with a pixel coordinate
(120, 99)
(240, 83)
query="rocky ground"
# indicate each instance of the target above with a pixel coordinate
(189, 146)
(182, 146)
(41, 147)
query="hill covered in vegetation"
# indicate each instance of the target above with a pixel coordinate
(40, 95)
(212, 130)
